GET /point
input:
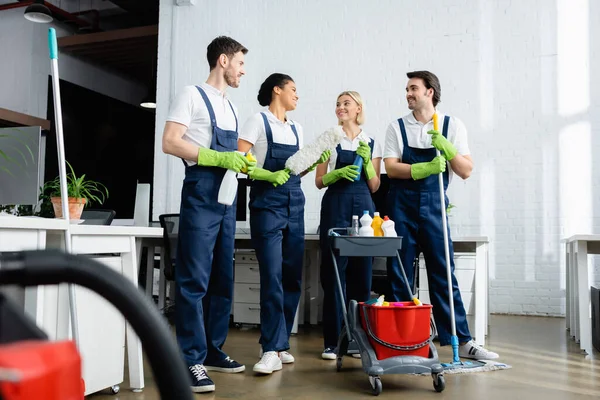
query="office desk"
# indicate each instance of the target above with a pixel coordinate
(101, 327)
(579, 277)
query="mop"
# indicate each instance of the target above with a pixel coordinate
(456, 363)
(60, 146)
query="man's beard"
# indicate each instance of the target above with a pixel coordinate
(231, 80)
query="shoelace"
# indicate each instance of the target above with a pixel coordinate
(229, 360)
(268, 356)
(329, 350)
(199, 372)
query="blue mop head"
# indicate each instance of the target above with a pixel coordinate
(310, 154)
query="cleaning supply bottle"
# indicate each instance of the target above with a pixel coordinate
(354, 228)
(358, 161)
(376, 224)
(388, 227)
(229, 185)
(365, 222)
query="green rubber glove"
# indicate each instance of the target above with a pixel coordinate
(229, 159)
(324, 157)
(276, 178)
(365, 152)
(425, 169)
(349, 172)
(443, 145)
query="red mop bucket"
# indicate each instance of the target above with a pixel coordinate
(398, 330)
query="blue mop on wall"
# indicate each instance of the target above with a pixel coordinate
(62, 169)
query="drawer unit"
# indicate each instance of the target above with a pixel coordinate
(246, 289)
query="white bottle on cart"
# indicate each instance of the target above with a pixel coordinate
(389, 227)
(354, 228)
(365, 222)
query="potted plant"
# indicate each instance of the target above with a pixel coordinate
(81, 192)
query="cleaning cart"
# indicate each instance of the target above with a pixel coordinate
(384, 349)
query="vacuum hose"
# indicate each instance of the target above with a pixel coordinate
(52, 267)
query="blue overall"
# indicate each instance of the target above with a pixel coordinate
(415, 208)
(277, 230)
(341, 201)
(204, 267)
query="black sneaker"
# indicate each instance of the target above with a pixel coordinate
(200, 381)
(227, 365)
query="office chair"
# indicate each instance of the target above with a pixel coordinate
(170, 225)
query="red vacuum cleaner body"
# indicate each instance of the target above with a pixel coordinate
(38, 369)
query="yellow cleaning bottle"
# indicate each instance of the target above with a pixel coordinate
(250, 158)
(376, 224)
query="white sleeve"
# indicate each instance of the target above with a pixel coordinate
(300, 131)
(460, 140)
(182, 108)
(252, 129)
(377, 151)
(393, 143)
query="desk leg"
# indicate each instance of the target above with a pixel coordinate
(575, 327)
(315, 271)
(134, 345)
(162, 282)
(585, 320)
(567, 286)
(480, 293)
(150, 271)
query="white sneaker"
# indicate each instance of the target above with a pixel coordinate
(475, 352)
(286, 358)
(269, 362)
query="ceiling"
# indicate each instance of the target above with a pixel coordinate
(130, 51)
(120, 35)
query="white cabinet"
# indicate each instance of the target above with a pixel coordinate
(464, 270)
(246, 288)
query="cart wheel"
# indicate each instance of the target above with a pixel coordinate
(237, 325)
(439, 383)
(376, 386)
(338, 364)
(115, 389)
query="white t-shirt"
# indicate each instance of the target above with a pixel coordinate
(416, 133)
(189, 109)
(254, 132)
(352, 145)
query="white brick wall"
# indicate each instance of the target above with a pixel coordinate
(517, 73)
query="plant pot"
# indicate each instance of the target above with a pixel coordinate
(75, 207)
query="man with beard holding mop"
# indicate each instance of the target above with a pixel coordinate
(202, 130)
(415, 205)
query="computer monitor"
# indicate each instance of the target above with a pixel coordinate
(21, 172)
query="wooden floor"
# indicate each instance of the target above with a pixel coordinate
(546, 365)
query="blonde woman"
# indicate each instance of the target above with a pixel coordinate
(344, 198)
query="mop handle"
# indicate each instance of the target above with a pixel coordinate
(60, 147)
(446, 241)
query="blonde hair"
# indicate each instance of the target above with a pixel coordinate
(360, 118)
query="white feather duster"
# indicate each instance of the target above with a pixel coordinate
(310, 154)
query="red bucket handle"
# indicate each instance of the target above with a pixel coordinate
(396, 346)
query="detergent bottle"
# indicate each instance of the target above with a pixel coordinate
(229, 184)
(358, 161)
(365, 222)
(388, 227)
(376, 224)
